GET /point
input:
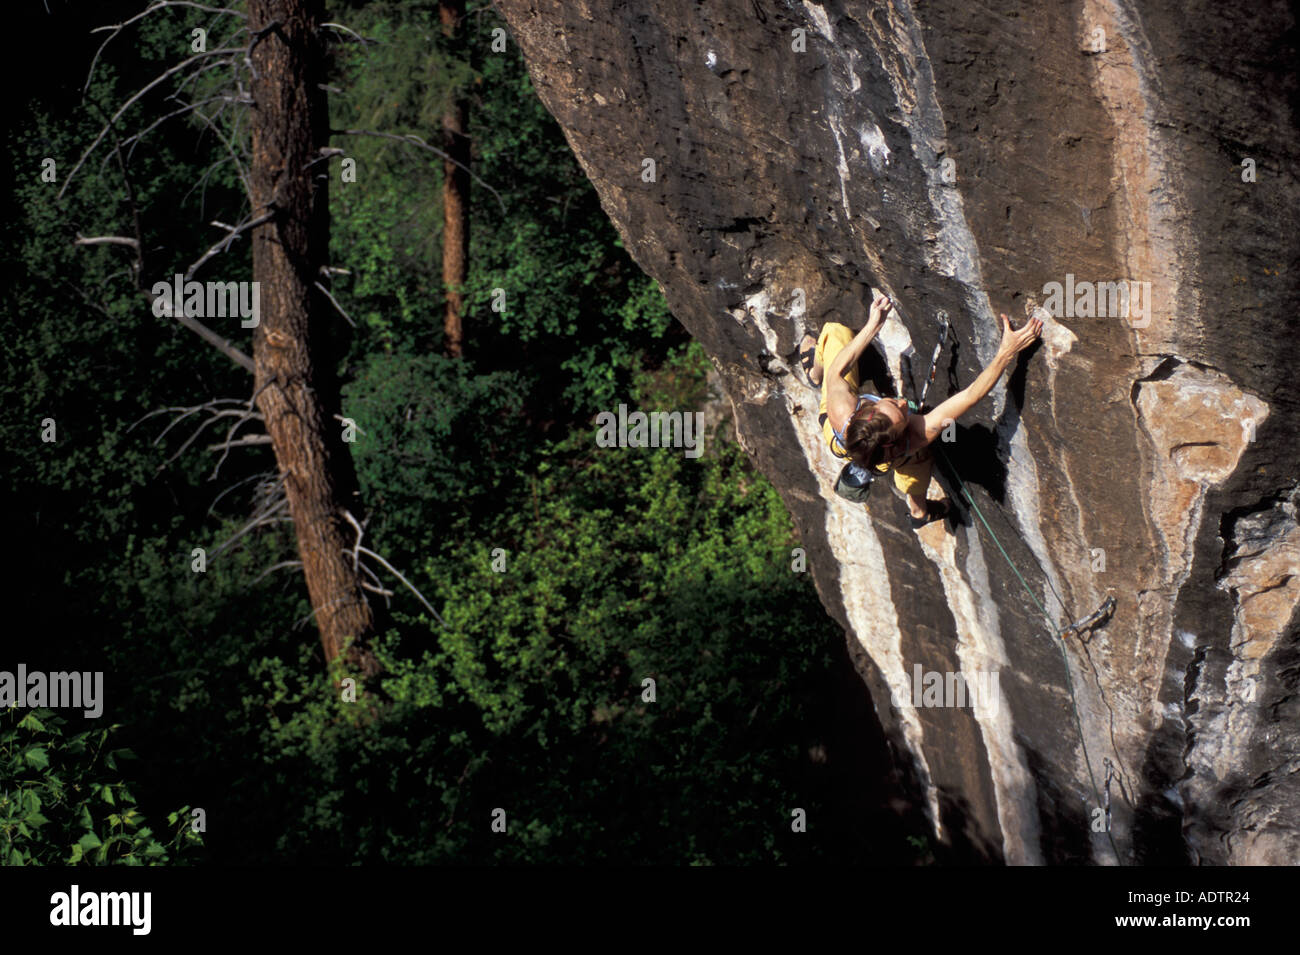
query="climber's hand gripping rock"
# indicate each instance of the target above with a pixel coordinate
(1014, 341)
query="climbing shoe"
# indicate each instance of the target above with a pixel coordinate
(808, 361)
(934, 511)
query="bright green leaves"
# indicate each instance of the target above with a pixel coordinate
(54, 789)
(30, 722)
(36, 756)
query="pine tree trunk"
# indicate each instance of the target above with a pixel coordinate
(455, 192)
(296, 387)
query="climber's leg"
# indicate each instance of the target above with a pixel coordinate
(934, 511)
(834, 336)
(913, 479)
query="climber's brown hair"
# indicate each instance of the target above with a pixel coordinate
(866, 437)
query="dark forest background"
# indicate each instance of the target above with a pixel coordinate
(620, 564)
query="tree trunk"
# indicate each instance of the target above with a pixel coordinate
(296, 386)
(455, 191)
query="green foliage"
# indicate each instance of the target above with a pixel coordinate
(578, 316)
(432, 430)
(568, 282)
(411, 75)
(63, 802)
(622, 564)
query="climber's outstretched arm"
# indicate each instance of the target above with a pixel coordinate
(1013, 342)
(848, 356)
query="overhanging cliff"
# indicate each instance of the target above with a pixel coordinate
(962, 158)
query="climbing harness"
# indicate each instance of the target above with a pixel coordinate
(854, 482)
(1107, 607)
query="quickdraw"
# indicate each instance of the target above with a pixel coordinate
(1101, 615)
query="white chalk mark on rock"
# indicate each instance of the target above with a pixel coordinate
(873, 141)
(819, 17)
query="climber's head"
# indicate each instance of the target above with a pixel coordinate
(873, 428)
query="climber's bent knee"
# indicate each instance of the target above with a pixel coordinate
(832, 339)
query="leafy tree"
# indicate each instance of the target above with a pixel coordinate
(622, 564)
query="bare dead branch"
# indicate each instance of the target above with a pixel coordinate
(137, 265)
(358, 549)
(249, 414)
(238, 484)
(216, 341)
(132, 100)
(365, 41)
(326, 153)
(189, 408)
(224, 244)
(274, 567)
(342, 420)
(119, 27)
(136, 137)
(337, 306)
(213, 419)
(207, 334)
(267, 516)
(409, 586)
(215, 413)
(377, 588)
(106, 240)
(417, 141)
(246, 441)
(378, 585)
(186, 413)
(360, 529)
(220, 343)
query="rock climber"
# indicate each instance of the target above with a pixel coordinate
(883, 434)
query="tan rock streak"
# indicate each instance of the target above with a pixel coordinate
(964, 158)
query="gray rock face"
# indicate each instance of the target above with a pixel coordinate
(962, 158)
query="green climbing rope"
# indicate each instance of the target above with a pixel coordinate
(1065, 660)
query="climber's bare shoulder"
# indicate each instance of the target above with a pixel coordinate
(917, 431)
